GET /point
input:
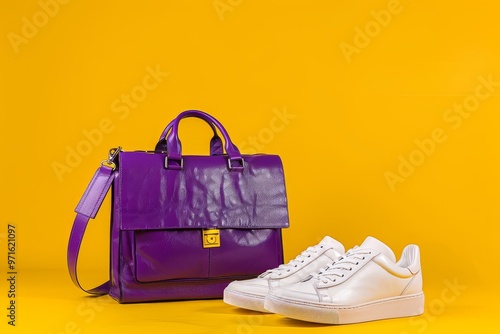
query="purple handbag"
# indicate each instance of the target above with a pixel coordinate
(185, 226)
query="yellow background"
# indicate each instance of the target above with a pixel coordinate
(351, 118)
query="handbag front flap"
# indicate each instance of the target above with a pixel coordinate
(205, 194)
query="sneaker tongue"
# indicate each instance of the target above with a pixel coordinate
(372, 243)
(328, 241)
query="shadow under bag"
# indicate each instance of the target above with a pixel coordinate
(184, 227)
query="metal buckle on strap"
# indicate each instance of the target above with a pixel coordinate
(178, 166)
(113, 153)
(239, 168)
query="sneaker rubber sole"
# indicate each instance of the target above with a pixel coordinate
(245, 300)
(394, 307)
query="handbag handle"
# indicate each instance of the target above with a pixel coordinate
(174, 150)
(215, 142)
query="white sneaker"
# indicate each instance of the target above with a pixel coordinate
(250, 294)
(365, 284)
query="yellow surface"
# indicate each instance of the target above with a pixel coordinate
(381, 111)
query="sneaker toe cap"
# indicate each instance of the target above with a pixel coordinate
(253, 286)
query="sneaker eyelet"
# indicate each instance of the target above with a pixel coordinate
(350, 269)
(357, 263)
(309, 256)
(321, 247)
(363, 257)
(343, 275)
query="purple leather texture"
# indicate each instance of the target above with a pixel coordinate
(87, 208)
(159, 215)
(204, 194)
(98, 187)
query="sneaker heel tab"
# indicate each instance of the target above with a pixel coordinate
(411, 258)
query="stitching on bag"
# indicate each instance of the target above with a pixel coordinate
(209, 262)
(119, 252)
(120, 281)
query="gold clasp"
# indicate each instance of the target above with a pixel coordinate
(211, 238)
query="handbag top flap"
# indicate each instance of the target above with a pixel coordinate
(204, 194)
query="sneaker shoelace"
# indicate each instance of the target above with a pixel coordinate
(295, 263)
(343, 265)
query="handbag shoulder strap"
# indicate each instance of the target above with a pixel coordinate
(87, 208)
